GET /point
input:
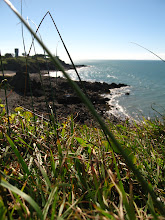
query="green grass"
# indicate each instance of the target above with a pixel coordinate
(70, 171)
(78, 175)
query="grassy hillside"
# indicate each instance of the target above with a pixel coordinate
(34, 63)
(70, 171)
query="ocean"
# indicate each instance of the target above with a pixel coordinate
(145, 80)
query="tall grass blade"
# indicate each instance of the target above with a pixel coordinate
(53, 210)
(21, 160)
(27, 73)
(68, 53)
(18, 200)
(148, 50)
(3, 209)
(7, 108)
(129, 209)
(62, 207)
(22, 31)
(48, 13)
(48, 183)
(23, 195)
(49, 201)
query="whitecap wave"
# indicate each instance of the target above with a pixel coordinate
(83, 72)
(111, 76)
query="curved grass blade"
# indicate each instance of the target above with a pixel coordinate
(23, 195)
(46, 178)
(148, 51)
(147, 187)
(21, 160)
(48, 13)
(49, 201)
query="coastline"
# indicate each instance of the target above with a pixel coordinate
(65, 101)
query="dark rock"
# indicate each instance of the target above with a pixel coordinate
(68, 99)
(21, 83)
(121, 85)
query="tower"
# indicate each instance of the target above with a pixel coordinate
(16, 52)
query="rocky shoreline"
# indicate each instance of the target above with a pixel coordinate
(59, 96)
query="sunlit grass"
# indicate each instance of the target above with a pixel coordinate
(78, 175)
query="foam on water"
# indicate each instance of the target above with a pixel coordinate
(117, 110)
(84, 73)
(110, 76)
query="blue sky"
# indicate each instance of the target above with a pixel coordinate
(91, 29)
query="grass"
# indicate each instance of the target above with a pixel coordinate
(78, 175)
(19, 63)
(71, 171)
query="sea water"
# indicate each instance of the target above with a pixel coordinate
(145, 94)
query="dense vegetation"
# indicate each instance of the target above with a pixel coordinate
(34, 63)
(70, 171)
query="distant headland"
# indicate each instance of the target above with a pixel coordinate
(36, 63)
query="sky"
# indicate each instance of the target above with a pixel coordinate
(91, 29)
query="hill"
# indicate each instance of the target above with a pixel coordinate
(34, 63)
